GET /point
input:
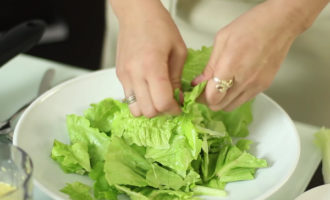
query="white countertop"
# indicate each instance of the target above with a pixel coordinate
(19, 82)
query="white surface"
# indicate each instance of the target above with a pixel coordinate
(272, 130)
(319, 193)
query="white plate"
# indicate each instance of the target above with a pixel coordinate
(273, 131)
(318, 193)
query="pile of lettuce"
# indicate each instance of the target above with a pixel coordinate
(163, 158)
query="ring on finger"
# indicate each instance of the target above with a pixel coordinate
(130, 99)
(222, 85)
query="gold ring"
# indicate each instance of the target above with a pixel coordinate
(130, 99)
(222, 85)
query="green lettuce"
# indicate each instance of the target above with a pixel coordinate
(163, 158)
(195, 63)
(126, 164)
(78, 191)
(79, 130)
(102, 190)
(101, 115)
(322, 139)
(72, 158)
(142, 131)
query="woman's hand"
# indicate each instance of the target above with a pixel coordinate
(249, 51)
(150, 56)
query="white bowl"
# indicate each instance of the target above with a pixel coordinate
(273, 132)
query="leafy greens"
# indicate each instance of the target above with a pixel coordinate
(166, 157)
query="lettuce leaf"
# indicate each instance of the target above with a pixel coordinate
(72, 158)
(80, 131)
(177, 157)
(126, 164)
(78, 191)
(237, 165)
(101, 115)
(236, 121)
(159, 177)
(322, 139)
(163, 158)
(155, 132)
(148, 193)
(195, 63)
(102, 190)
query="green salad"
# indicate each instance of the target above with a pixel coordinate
(163, 158)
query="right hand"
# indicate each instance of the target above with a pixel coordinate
(150, 58)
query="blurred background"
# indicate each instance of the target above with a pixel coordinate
(75, 30)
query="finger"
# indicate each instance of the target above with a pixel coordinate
(162, 93)
(219, 44)
(212, 94)
(143, 98)
(128, 90)
(176, 62)
(231, 94)
(240, 99)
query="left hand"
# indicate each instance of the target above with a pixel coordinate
(250, 51)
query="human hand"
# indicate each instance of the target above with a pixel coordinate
(150, 59)
(249, 51)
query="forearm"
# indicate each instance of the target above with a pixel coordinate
(128, 11)
(299, 13)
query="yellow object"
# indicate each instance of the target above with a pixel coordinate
(5, 189)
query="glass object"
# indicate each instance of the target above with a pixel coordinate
(15, 173)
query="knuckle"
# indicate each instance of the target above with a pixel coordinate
(127, 68)
(262, 83)
(119, 72)
(267, 84)
(150, 112)
(212, 101)
(135, 113)
(229, 108)
(182, 51)
(222, 34)
(164, 105)
(153, 64)
(214, 108)
(219, 35)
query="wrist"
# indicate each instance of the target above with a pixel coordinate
(298, 15)
(132, 11)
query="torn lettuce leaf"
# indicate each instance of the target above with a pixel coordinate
(78, 191)
(100, 115)
(72, 158)
(155, 132)
(195, 63)
(126, 164)
(236, 121)
(177, 157)
(80, 131)
(102, 190)
(163, 158)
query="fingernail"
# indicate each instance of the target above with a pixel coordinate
(197, 80)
